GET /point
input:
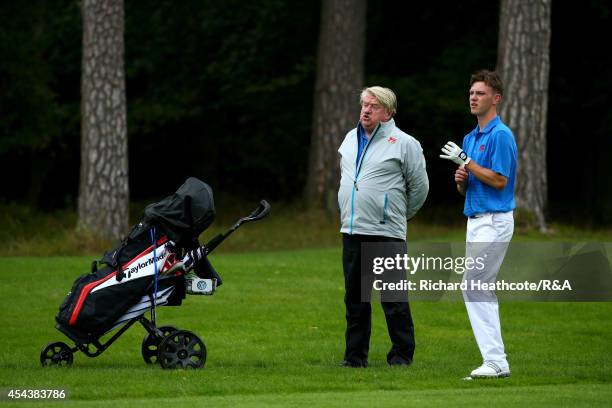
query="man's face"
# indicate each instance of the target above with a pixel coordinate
(372, 113)
(483, 99)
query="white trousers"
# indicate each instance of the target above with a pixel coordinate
(487, 237)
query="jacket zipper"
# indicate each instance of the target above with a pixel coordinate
(355, 188)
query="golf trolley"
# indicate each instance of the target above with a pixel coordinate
(167, 345)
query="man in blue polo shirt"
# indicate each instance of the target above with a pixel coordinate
(486, 176)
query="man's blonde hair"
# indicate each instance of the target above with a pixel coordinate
(385, 96)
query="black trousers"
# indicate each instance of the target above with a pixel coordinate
(358, 313)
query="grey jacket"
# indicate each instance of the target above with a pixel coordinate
(388, 186)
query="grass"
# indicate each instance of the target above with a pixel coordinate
(274, 333)
(274, 330)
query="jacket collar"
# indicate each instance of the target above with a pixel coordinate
(385, 127)
(381, 128)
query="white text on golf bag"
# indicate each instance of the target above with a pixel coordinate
(139, 268)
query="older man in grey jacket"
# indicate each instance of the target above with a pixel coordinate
(383, 185)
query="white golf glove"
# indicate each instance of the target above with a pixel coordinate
(192, 258)
(454, 153)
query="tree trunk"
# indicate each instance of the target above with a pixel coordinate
(524, 64)
(340, 66)
(103, 189)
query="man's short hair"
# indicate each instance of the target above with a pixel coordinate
(386, 97)
(490, 78)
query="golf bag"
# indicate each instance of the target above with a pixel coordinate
(128, 281)
(145, 271)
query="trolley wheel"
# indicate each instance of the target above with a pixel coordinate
(56, 354)
(150, 344)
(182, 349)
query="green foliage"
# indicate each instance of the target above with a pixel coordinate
(223, 91)
(227, 80)
(40, 49)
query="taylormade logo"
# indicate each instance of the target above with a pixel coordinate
(140, 265)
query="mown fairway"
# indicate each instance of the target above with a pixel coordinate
(274, 334)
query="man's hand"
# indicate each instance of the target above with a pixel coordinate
(192, 258)
(454, 153)
(461, 177)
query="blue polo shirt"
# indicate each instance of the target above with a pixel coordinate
(493, 147)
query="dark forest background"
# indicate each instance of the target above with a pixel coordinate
(224, 91)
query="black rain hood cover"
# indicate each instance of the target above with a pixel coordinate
(185, 214)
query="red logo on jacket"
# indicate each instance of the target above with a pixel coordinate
(391, 139)
(481, 148)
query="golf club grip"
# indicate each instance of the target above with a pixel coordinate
(261, 211)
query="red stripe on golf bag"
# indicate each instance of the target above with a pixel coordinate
(84, 292)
